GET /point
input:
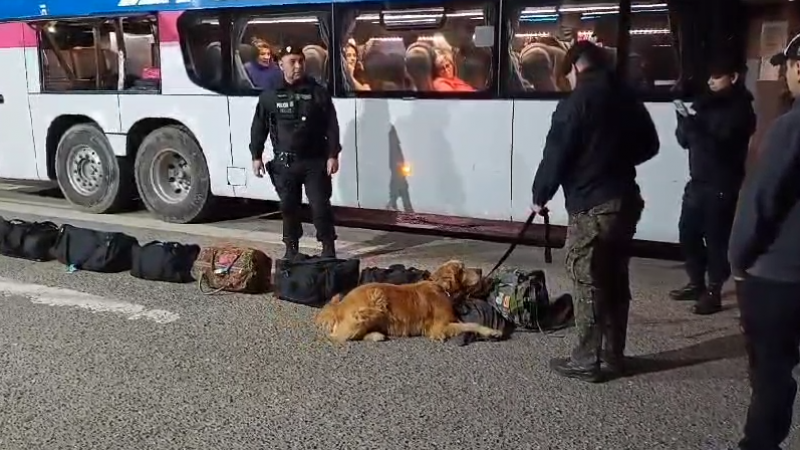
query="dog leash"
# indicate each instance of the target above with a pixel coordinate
(548, 251)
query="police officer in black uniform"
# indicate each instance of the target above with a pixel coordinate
(717, 137)
(301, 120)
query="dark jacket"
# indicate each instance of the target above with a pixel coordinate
(299, 118)
(718, 137)
(598, 135)
(765, 240)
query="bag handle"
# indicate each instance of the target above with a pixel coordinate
(548, 251)
(203, 277)
(200, 281)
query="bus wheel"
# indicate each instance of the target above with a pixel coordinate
(90, 176)
(172, 176)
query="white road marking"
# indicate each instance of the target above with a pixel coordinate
(46, 295)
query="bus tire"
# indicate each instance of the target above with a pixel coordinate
(172, 176)
(90, 176)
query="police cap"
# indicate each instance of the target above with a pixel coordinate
(290, 49)
(791, 52)
(725, 64)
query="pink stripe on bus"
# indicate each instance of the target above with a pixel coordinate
(17, 35)
(168, 27)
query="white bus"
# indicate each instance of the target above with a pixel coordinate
(443, 105)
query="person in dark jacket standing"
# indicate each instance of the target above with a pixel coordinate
(717, 137)
(765, 259)
(598, 135)
(300, 118)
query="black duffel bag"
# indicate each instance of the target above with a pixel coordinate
(312, 280)
(95, 251)
(28, 240)
(164, 261)
(394, 274)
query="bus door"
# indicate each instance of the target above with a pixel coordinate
(17, 153)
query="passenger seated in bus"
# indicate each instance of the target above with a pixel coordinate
(537, 68)
(384, 68)
(446, 79)
(316, 61)
(475, 67)
(263, 71)
(420, 60)
(556, 54)
(355, 67)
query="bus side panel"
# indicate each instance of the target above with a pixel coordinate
(205, 116)
(449, 157)
(531, 124)
(17, 152)
(345, 187)
(102, 108)
(662, 180)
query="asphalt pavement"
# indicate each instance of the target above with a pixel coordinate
(99, 361)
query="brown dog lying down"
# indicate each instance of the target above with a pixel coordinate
(374, 311)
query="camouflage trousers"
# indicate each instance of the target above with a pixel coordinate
(598, 253)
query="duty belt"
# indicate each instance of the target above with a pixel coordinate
(285, 158)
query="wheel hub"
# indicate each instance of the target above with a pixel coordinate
(171, 176)
(86, 172)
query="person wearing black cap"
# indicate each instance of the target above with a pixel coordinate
(717, 138)
(301, 120)
(765, 259)
(598, 135)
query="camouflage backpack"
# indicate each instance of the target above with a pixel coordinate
(521, 297)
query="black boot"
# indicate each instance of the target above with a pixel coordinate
(612, 365)
(710, 302)
(570, 369)
(691, 291)
(292, 249)
(328, 249)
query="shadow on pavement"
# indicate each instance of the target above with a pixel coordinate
(726, 347)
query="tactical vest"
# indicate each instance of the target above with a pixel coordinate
(299, 121)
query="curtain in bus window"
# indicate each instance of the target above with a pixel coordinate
(324, 32)
(345, 28)
(516, 81)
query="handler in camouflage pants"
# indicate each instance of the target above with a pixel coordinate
(598, 135)
(598, 253)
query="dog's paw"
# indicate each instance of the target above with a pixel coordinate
(496, 334)
(375, 337)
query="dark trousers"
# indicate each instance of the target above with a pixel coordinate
(598, 254)
(289, 175)
(705, 228)
(770, 312)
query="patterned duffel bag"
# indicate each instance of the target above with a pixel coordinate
(232, 269)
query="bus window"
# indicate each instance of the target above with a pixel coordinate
(542, 34)
(200, 36)
(261, 36)
(77, 56)
(84, 55)
(653, 60)
(141, 55)
(422, 50)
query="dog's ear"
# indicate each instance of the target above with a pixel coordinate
(470, 279)
(336, 299)
(449, 276)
